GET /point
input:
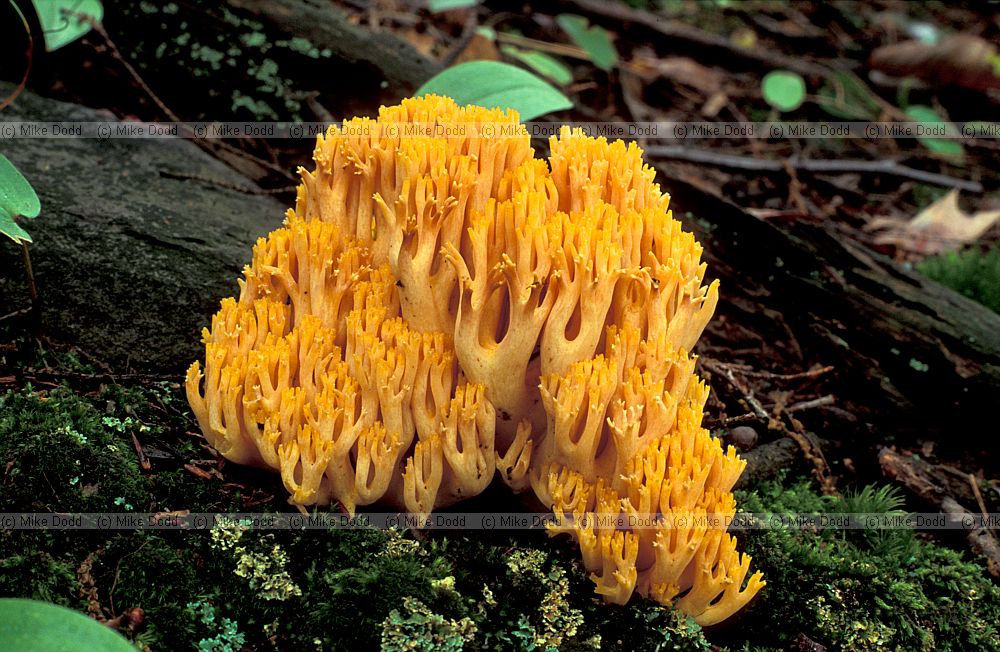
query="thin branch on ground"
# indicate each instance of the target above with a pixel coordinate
(679, 32)
(838, 166)
(793, 429)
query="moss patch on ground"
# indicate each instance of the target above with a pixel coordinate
(234, 588)
(859, 589)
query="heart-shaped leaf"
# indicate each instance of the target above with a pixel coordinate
(594, 40)
(17, 197)
(60, 20)
(33, 626)
(12, 229)
(930, 119)
(543, 64)
(783, 89)
(494, 84)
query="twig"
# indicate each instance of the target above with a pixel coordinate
(808, 405)
(36, 310)
(810, 451)
(731, 421)
(749, 417)
(98, 27)
(979, 496)
(840, 166)
(680, 33)
(118, 570)
(751, 373)
(141, 453)
(746, 392)
(14, 315)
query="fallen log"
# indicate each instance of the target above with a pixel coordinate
(912, 357)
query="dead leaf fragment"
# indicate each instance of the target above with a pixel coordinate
(479, 48)
(942, 226)
(683, 70)
(960, 60)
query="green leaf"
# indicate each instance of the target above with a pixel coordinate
(541, 63)
(594, 40)
(437, 6)
(33, 626)
(487, 33)
(928, 117)
(783, 89)
(12, 229)
(844, 96)
(494, 84)
(17, 197)
(60, 29)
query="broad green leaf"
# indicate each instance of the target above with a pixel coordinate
(930, 119)
(494, 84)
(541, 63)
(33, 626)
(12, 229)
(845, 97)
(17, 197)
(594, 40)
(60, 29)
(437, 6)
(783, 89)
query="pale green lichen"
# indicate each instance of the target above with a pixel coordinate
(556, 620)
(397, 546)
(228, 638)
(264, 569)
(418, 628)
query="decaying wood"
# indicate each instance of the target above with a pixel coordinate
(912, 357)
(932, 484)
(325, 26)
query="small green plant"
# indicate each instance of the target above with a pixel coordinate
(932, 122)
(494, 84)
(592, 39)
(973, 273)
(544, 64)
(62, 21)
(228, 638)
(784, 90)
(17, 199)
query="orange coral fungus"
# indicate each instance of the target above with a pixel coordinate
(440, 306)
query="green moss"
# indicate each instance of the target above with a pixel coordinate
(973, 273)
(161, 574)
(862, 590)
(38, 575)
(59, 455)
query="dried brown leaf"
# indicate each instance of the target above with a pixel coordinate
(960, 60)
(942, 226)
